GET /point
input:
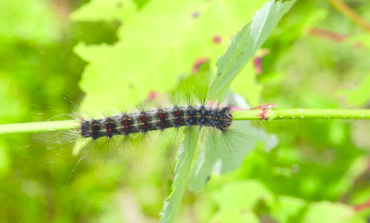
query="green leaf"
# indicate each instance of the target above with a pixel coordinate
(194, 87)
(184, 161)
(288, 209)
(107, 10)
(224, 152)
(360, 95)
(328, 212)
(156, 48)
(237, 200)
(29, 21)
(246, 85)
(245, 44)
(4, 159)
(292, 209)
(344, 183)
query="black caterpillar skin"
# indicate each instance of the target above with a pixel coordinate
(159, 119)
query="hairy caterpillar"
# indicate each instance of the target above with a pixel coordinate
(159, 119)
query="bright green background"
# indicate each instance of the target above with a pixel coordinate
(317, 173)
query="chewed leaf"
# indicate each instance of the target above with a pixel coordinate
(182, 171)
(245, 44)
(224, 152)
(194, 86)
(108, 10)
(158, 46)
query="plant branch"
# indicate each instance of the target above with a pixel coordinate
(259, 114)
(264, 114)
(349, 13)
(362, 206)
(38, 126)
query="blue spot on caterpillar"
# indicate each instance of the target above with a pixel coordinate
(159, 119)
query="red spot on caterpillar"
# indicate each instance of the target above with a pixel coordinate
(125, 122)
(178, 121)
(161, 124)
(217, 39)
(160, 116)
(109, 127)
(177, 113)
(143, 118)
(198, 63)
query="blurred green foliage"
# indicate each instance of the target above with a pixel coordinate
(317, 173)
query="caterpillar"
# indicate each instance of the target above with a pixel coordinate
(157, 119)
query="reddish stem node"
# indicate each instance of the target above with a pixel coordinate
(361, 207)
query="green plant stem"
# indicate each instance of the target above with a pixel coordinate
(237, 115)
(38, 126)
(302, 114)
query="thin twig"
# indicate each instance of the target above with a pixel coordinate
(351, 14)
(295, 113)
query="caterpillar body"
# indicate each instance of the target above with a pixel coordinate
(157, 119)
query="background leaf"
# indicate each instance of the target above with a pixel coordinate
(316, 161)
(237, 200)
(110, 10)
(328, 212)
(150, 57)
(224, 153)
(245, 44)
(360, 95)
(28, 23)
(184, 161)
